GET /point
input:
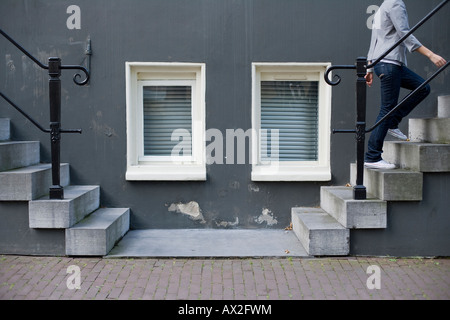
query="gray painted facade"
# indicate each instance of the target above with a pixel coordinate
(227, 36)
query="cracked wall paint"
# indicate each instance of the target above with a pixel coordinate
(267, 217)
(191, 209)
(10, 70)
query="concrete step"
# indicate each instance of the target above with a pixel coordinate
(432, 130)
(353, 214)
(444, 107)
(78, 202)
(5, 131)
(391, 185)
(18, 154)
(319, 233)
(97, 234)
(417, 156)
(30, 183)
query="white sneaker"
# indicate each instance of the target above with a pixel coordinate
(398, 134)
(379, 165)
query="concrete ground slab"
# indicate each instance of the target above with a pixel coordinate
(208, 243)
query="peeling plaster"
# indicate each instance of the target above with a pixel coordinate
(266, 216)
(191, 209)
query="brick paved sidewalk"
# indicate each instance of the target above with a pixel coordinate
(33, 278)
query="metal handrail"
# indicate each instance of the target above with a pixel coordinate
(36, 124)
(54, 68)
(361, 66)
(24, 114)
(18, 46)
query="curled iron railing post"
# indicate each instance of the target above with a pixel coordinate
(54, 68)
(77, 75)
(54, 71)
(359, 190)
(336, 76)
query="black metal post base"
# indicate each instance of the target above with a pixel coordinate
(56, 193)
(359, 193)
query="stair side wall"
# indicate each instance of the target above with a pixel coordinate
(16, 237)
(413, 229)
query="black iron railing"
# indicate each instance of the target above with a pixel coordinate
(54, 68)
(361, 66)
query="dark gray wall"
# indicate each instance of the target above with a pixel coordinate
(227, 35)
(16, 237)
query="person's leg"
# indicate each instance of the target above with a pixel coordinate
(410, 81)
(390, 77)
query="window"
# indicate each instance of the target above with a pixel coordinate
(165, 121)
(291, 116)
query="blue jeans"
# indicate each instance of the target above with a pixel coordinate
(393, 78)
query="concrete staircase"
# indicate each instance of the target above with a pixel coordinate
(89, 229)
(325, 231)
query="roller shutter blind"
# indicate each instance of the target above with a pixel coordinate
(291, 107)
(166, 109)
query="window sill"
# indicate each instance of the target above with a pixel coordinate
(274, 173)
(166, 173)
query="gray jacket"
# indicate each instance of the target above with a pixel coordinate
(390, 25)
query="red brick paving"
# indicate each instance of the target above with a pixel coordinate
(35, 278)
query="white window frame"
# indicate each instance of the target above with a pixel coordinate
(319, 170)
(172, 168)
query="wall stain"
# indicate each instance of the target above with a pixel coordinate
(227, 224)
(103, 129)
